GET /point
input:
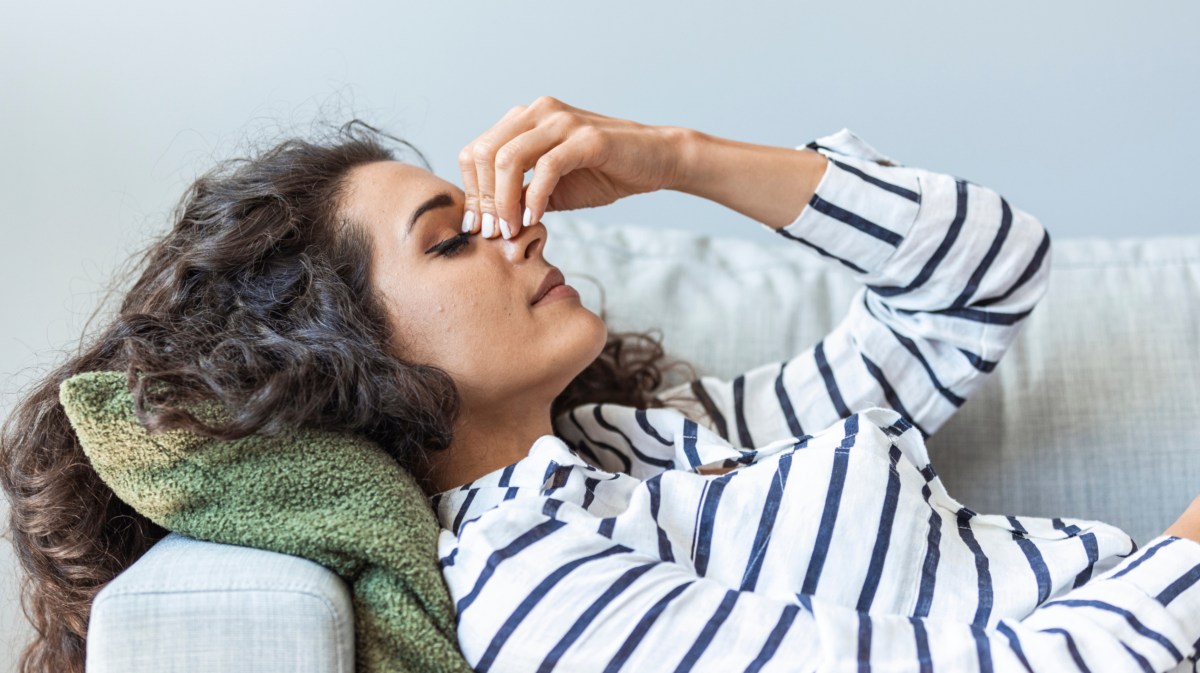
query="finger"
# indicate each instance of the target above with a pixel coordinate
(466, 164)
(484, 155)
(551, 166)
(512, 161)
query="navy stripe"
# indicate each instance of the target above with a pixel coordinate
(1036, 562)
(1149, 552)
(511, 549)
(833, 495)
(929, 567)
(639, 630)
(696, 522)
(606, 526)
(626, 464)
(711, 409)
(924, 659)
(1134, 623)
(462, 510)
(708, 518)
(1093, 555)
(589, 490)
(785, 403)
(864, 642)
(883, 535)
(975, 315)
(978, 362)
(739, 412)
(911, 347)
(766, 524)
(983, 648)
(1070, 648)
(689, 442)
(773, 639)
(644, 422)
(997, 242)
(835, 395)
(943, 248)
(710, 630)
(858, 222)
(1141, 661)
(1179, 586)
(654, 486)
(1016, 644)
(895, 189)
(616, 589)
(845, 262)
(649, 460)
(506, 475)
(983, 575)
(890, 394)
(531, 600)
(1032, 268)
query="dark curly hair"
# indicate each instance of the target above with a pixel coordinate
(257, 297)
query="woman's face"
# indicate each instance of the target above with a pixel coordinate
(470, 313)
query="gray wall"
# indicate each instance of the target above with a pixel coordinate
(1075, 111)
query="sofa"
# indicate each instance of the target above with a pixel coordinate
(1093, 413)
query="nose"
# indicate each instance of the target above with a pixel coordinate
(526, 244)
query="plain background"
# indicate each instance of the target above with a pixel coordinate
(1081, 113)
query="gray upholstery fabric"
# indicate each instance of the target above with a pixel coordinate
(1091, 414)
(203, 607)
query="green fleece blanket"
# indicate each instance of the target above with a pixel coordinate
(334, 498)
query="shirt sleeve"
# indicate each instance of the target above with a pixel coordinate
(540, 594)
(950, 270)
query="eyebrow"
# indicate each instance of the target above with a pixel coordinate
(442, 200)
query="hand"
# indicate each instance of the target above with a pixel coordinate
(1188, 524)
(580, 159)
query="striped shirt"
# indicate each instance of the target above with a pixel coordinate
(832, 545)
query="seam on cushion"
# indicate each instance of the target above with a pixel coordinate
(324, 600)
(1124, 263)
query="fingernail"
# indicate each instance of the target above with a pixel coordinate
(528, 216)
(504, 229)
(487, 225)
(468, 221)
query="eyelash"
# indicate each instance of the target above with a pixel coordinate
(454, 245)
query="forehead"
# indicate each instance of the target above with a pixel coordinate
(391, 190)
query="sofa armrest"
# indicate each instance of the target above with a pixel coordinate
(194, 606)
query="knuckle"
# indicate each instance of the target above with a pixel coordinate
(466, 157)
(560, 118)
(590, 134)
(482, 154)
(515, 110)
(547, 163)
(547, 102)
(507, 156)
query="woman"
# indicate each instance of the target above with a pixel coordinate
(326, 283)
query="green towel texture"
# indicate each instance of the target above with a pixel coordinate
(334, 498)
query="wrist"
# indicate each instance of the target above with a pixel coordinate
(684, 148)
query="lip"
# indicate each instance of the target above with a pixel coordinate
(552, 279)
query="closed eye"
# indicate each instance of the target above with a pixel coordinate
(452, 246)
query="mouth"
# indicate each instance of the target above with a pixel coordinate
(552, 280)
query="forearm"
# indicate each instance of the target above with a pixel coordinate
(769, 184)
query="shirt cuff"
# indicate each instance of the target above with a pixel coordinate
(1166, 576)
(860, 214)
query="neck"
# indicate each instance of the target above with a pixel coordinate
(483, 444)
